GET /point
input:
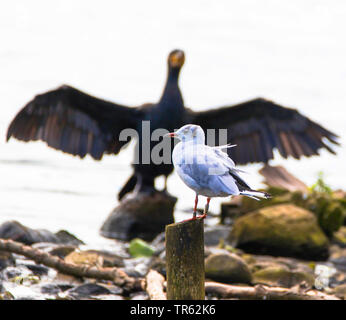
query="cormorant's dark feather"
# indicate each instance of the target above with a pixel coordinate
(74, 122)
(259, 126)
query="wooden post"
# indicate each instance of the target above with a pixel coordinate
(185, 260)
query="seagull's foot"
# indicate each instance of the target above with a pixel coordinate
(203, 216)
(191, 219)
(194, 217)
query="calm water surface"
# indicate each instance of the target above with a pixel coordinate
(293, 53)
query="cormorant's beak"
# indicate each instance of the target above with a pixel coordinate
(177, 59)
(171, 135)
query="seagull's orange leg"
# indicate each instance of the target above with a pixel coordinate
(204, 215)
(194, 210)
(195, 207)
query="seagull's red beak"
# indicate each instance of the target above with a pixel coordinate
(170, 134)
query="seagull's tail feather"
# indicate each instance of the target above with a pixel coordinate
(255, 194)
(226, 146)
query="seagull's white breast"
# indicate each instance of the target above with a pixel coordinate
(203, 170)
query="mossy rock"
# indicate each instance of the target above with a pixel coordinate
(282, 276)
(281, 230)
(228, 268)
(84, 258)
(339, 291)
(279, 196)
(339, 237)
(329, 208)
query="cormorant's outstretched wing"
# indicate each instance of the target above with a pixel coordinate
(74, 122)
(259, 126)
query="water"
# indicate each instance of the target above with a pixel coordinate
(292, 52)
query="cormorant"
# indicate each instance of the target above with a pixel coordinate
(74, 122)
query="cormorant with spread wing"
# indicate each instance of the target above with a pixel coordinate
(77, 123)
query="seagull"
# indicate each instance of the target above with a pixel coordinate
(208, 171)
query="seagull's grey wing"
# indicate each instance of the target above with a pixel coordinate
(224, 157)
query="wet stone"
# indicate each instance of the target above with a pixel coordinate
(108, 297)
(16, 231)
(12, 272)
(6, 259)
(68, 238)
(88, 289)
(140, 216)
(137, 267)
(38, 269)
(109, 259)
(50, 288)
(142, 295)
(227, 268)
(213, 235)
(62, 251)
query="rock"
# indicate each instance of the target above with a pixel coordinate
(139, 248)
(140, 216)
(230, 209)
(330, 213)
(62, 251)
(16, 231)
(88, 289)
(6, 296)
(139, 296)
(158, 264)
(13, 272)
(338, 257)
(281, 230)
(37, 269)
(282, 276)
(85, 258)
(282, 272)
(339, 237)
(213, 235)
(228, 268)
(50, 288)
(98, 258)
(108, 297)
(109, 259)
(339, 291)
(159, 243)
(66, 237)
(137, 267)
(6, 260)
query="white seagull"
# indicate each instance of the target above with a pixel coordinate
(207, 170)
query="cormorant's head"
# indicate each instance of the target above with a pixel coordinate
(176, 59)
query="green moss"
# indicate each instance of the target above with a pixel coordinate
(228, 268)
(139, 248)
(280, 230)
(329, 208)
(340, 236)
(281, 276)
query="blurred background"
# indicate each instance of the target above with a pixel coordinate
(291, 52)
